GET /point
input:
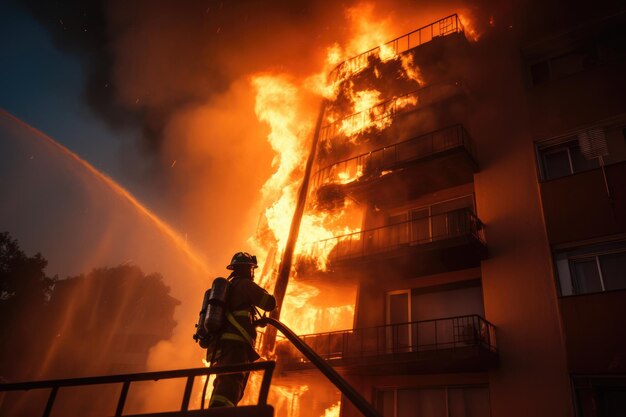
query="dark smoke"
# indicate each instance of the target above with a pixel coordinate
(143, 60)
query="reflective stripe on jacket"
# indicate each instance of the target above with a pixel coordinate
(243, 294)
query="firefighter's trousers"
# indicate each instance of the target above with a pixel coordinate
(228, 388)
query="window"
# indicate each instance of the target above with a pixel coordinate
(591, 269)
(399, 316)
(564, 158)
(596, 49)
(586, 149)
(599, 396)
(468, 401)
(429, 223)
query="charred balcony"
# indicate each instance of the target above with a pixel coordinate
(456, 344)
(389, 118)
(420, 246)
(448, 26)
(440, 159)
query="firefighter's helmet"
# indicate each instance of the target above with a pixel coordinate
(243, 258)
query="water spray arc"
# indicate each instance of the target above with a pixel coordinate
(179, 242)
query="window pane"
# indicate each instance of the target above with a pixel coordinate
(422, 403)
(420, 226)
(398, 336)
(613, 401)
(586, 277)
(385, 403)
(469, 402)
(540, 72)
(579, 162)
(614, 270)
(556, 164)
(477, 402)
(456, 402)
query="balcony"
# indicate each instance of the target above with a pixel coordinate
(386, 114)
(440, 159)
(456, 344)
(443, 27)
(421, 246)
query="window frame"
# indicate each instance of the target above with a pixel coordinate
(388, 295)
(445, 388)
(552, 146)
(407, 213)
(594, 253)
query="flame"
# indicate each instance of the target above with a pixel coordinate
(469, 26)
(333, 410)
(279, 104)
(369, 31)
(346, 177)
(410, 70)
(369, 114)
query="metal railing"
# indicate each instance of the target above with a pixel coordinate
(443, 27)
(383, 114)
(126, 379)
(415, 232)
(403, 338)
(374, 163)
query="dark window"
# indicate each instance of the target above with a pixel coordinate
(586, 276)
(540, 72)
(613, 267)
(600, 396)
(434, 402)
(564, 158)
(592, 269)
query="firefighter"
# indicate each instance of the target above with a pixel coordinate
(236, 344)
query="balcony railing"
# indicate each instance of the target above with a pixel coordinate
(412, 233)
(384, 113)
(262, 409)
(443, 27)
(403, 338)
(375, 163)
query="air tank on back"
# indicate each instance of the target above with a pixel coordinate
(216, 310)
(201, 334)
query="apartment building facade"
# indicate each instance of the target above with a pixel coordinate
(491, 261)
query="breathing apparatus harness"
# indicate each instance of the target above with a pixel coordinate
(213, 318)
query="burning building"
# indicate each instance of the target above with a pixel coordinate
(462, 248)
(477, 195)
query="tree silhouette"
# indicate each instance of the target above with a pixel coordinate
(106, 321)
(24, 291)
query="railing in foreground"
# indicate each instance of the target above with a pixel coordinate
(125, 380)
(413, 337)
(373, 164)
(442, 27)
(415, 232)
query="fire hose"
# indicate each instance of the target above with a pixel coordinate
(333, 376)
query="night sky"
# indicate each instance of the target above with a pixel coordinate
(122, 85)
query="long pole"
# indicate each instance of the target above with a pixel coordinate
(284, 268)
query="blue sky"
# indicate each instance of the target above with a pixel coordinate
(43, 86)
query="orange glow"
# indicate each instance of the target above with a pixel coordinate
(346, 177)
(411, 71)
(333, 410)
(469, 26)
(370, 31)
(280, 103)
